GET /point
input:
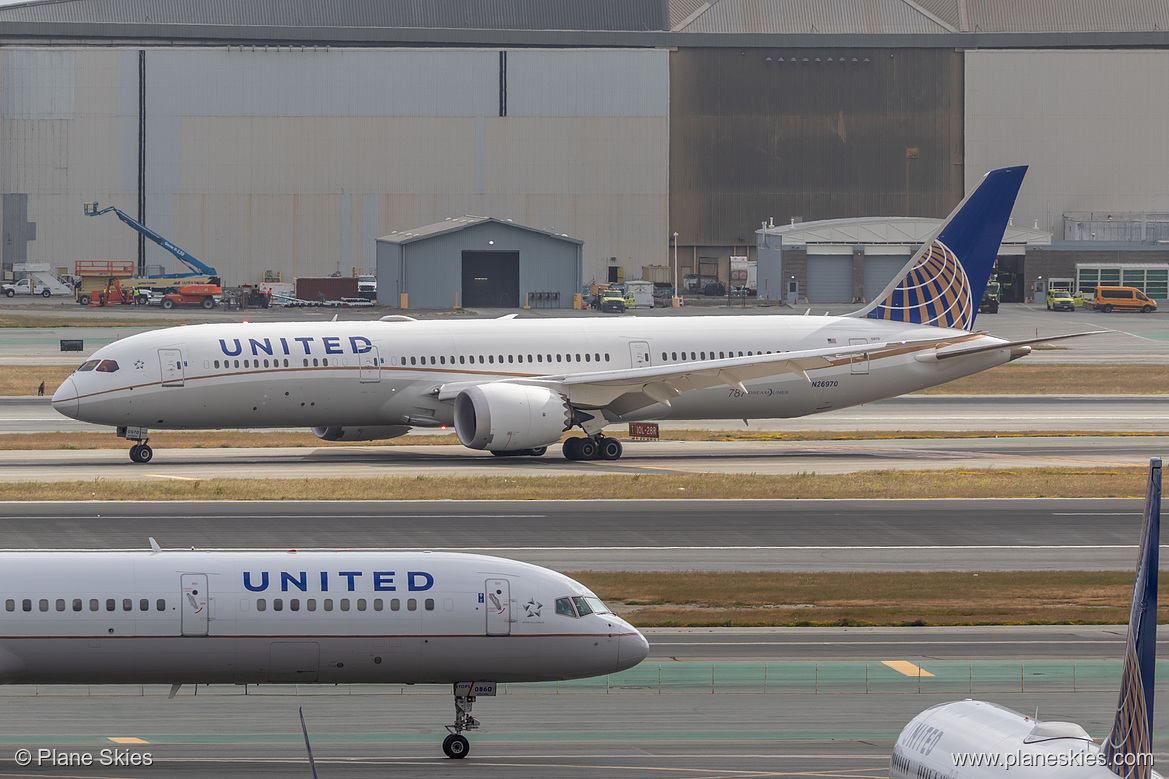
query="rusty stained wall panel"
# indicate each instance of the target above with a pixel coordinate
(752, 139)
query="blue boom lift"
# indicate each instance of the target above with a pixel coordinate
(197, 267)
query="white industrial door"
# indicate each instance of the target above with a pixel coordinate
(498, 603)
(193, 604)
(371, 369)
(172, 367)
(639, 354)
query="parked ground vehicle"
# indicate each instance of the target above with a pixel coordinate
(41, 280)
(639, 294)
(191, 294)
(663, 293)
(990, 299)
(1109, 299)
(612, 301)
(1060, 300)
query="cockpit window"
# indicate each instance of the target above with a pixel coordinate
(597, 606)
(564, 606)
(582, 607)
(88, 365)
(107, 366)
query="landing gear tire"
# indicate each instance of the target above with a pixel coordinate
(610, 449)
(141, 453)
(587, 449)
(537, 451)
(572, 449)
(456, 746)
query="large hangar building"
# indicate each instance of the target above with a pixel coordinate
(290, 135)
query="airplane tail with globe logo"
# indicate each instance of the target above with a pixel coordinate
(942, 284)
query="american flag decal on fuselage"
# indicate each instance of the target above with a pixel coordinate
(935, 291)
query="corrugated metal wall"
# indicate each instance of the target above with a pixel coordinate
(824, 134)
(296, 161)
(1092, 125)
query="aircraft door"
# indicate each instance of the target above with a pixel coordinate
(371, 368)
(172, 367)
(639, 354)
(193, 604)
(860, 362)
(497, 594)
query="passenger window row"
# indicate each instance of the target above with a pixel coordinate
(492, 359)
(674, 356)
(343, 604)
(275, 363)
(95, 604)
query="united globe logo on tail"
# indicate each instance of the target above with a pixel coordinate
(935, 291)
(942, 284)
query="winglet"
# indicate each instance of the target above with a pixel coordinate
(1130, 742)
(154, 547)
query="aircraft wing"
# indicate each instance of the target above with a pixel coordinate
(625, 390)
(943, 354)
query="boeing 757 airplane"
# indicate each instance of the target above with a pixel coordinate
(327, 617)
(978, 740)
(515, 386)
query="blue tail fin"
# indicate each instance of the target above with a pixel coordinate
(943, 283)
(1132, 731)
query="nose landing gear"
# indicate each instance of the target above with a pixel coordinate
(456, 745)
(140, 452)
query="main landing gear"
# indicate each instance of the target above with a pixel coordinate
(456, 745)
(140, 452)
(534, 452)
(596, 447)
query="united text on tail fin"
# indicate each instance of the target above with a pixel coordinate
(943, 282)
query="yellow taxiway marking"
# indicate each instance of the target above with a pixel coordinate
(907, 668)
(126, 740)
(167, 476)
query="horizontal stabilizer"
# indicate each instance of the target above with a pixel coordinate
(945, 355)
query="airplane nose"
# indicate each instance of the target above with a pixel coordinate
(65, 398)
(632, 648)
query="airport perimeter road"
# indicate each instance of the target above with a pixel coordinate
(788, 535)
(576, 736)
(654, 457)
(918, 413)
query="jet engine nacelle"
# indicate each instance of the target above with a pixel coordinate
(505, 417)
(360, 433)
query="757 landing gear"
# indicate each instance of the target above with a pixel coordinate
(140, 452)
(456, 745)
(592, 448)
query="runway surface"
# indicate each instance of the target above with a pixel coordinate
(654, 457)
(786, 535)
(918, 413)
(539, 735)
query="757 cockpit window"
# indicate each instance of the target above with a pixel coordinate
(88, 365)
(580, 606)
(107, 366)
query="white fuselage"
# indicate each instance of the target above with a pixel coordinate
(979, 740)
(328, 617)
(386, 373)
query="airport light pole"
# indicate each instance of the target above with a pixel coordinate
(677, 301)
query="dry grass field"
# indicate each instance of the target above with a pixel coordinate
(755, 599)
(1038, 482)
